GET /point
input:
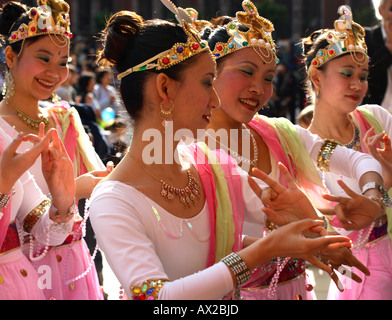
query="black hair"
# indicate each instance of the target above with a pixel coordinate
(214, 35)
(128, 40)
(12, 16)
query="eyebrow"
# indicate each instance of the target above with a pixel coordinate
(50, 53)
(352, 67)
(256, 66)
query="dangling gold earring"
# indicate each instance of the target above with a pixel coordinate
(55, 98)
(166, 115)
(8, 87)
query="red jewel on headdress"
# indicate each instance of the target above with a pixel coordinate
(13, 36)
(44, 30)
(33, 29)
(315, 63)
(195, 46)
(219, 48)
(331, 52)
(165, 60)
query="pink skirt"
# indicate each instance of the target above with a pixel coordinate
(377, 257)
(18, 278)
(290, 290)
(64, 263)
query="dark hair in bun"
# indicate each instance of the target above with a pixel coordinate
(12, 15)
(313, 44)
(127, 41)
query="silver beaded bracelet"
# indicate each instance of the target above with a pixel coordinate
(239, 268)
(5, 198)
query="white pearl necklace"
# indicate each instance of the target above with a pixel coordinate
(31, 252)
(237, 156)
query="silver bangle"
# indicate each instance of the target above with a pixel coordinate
(369, 186)
(57, 217)
(5, 198)
(239, 268)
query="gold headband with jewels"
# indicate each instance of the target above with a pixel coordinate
(348, 37)
(51, 17)
(179, 52)
(258, 36)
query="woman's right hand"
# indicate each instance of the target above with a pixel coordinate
(282, 205)
(13, 165)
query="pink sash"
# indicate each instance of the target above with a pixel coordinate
(271, 139)
(209, 185)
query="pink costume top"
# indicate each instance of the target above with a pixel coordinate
(68, 262)
(294, 147)
(18, 279)
(372, 246)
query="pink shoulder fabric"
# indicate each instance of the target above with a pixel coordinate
(271, 139)
(209, 186)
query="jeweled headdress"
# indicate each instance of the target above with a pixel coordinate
(348, 37)
(259, 35)
(179, 52)
(51, 17)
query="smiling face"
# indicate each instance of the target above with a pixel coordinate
(244, 85)
(342, 84)
(40, 69)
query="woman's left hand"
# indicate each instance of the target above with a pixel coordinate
(337, 259)
(384, 155)
(356, 211)
(282, 205)
(57, 169)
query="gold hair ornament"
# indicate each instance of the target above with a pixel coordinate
(258, 37)
(51, 17)
(348, 37)
(179, 52)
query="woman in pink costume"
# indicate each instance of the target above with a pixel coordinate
(246, 60)
(169, 217)
(338, 69)
(25, 207)
(36, 52)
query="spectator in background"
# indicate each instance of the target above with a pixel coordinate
(67, 91)
(379, 42)
(86, 95)
(285, 84)
(305, 117)
(105, 93)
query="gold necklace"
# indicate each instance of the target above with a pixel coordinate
(186, 195)
(32, 123)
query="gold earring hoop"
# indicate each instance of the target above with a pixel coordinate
(8, 86)
(166, 115)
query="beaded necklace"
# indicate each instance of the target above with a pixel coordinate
(185, 195)
(237, 156)
(30, 122)
(355, 143)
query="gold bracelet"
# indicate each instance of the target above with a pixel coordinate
(148, 291)
(325, 154)
(35, 214)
